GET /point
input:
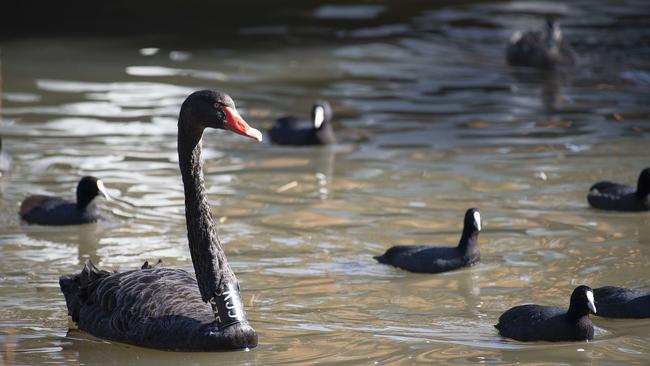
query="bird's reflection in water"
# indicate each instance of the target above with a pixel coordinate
(85, 237)
(550, 82)
(88, 350)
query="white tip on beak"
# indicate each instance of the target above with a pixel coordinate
(590, 302)
(254, 133)
(102, 190)
(477, 220)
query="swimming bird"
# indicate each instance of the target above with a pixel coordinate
(544, 50)
(619, 197)
(427, 259)
(620, 302)
(549, 323)
(51, 210)
(167, 308)
(291, 130)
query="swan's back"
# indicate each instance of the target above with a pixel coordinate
(150, 307)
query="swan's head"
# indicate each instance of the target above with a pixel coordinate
(321, 113)
(582, 301)
(472, 221)
(88, 188)
(214, 109)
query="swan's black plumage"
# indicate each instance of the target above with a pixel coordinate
(620, 302)
(549, 323)
(166, 308)
(426, 259)
(51, 210)
(619, 197)
(544, 50)
(291, 130)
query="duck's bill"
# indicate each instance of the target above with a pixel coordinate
(236, 124)
(103, 190)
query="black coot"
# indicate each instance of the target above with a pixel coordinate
(544, 50)
(50, 210)
(168, 308)
(296, 131)
(620, 302)
(549, 323)
(426, 259)
(619, 197)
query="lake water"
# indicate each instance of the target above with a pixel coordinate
(431, 122)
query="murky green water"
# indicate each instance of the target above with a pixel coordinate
(431, 121)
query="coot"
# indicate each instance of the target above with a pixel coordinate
(427, 259)
(620, 302)
(296, 131)
(549, 323)
(51, 210)
(619, 197)
(544, 50)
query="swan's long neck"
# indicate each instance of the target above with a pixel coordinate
(210, 264)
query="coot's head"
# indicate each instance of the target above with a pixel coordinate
(321, 113)
(643, 185)
(472, 221)
(89, 188)
(553, 31)
(582, 301)
(214, 109)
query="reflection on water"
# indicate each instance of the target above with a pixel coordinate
(431, 122)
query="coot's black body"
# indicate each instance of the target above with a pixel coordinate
(50, 210)
(296, 131)
(549, 323)
(544, 50)
(426, 259)
(620, 302)
(172, 309)
(619, 197)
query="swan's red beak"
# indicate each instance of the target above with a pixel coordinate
(236, 124)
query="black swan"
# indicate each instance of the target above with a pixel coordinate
(166, 308)
(620, 302)
(50, 210)
(291, 130)
(619, 197)
(544, 50)
(426, 259)
(549, 323)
